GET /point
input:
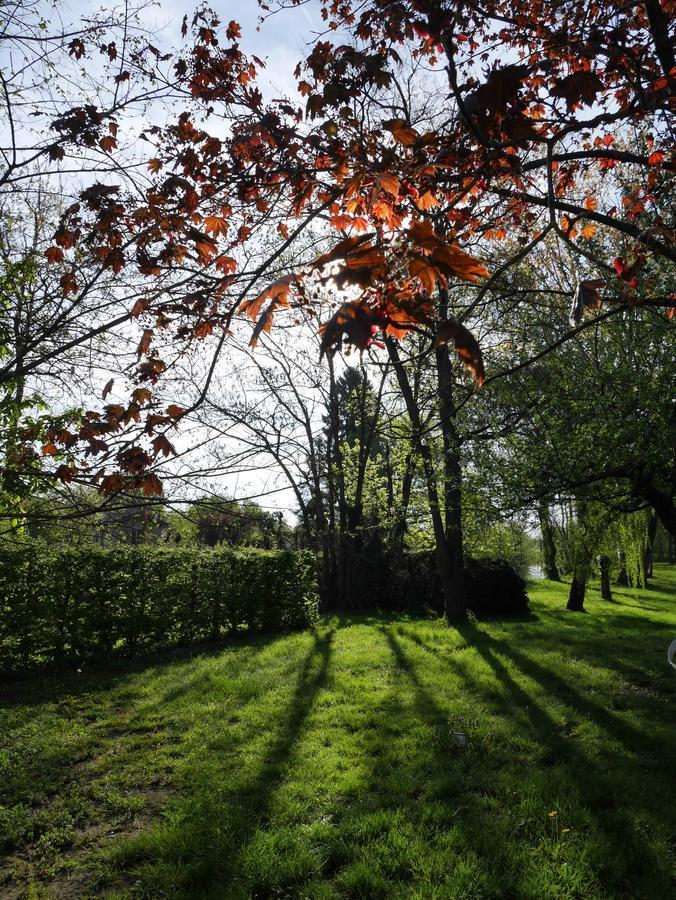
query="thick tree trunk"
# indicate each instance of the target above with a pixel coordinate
(578, 587)
(548, 544)
(604, 571)
(661, 501)
(455, 600)
(582, 561)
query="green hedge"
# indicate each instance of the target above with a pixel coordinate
(64, 606)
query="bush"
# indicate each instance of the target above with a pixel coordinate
(63, 606)
(493, 586)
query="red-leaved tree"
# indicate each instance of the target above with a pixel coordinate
(539, 96)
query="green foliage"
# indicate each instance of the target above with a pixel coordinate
(374, 499)
(633, 530)
(181, 529)
(17, 279)
(625, 542)
(591, 419)
(506, 540)
(66, 518)
(67, 605)
(25, 414)
(357, 407)
(218, 520)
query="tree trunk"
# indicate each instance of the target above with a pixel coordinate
(582, 560)
(456, 602)
(622, 579)
(400, 523)
(576, 595)
(661, 501)
(445, 558)
(548, 544)
(578, 585)
(648, 556)
(604, 570)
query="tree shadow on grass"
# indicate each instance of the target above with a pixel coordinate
(541, 723)
(198, 851)
(460, 784)
(633, 739)
(423, 814)
(373, 616)
(635, 623)
(591, 783)
(594, 641)
(469, 770)
(383, 839)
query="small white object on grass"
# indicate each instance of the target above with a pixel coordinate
(671, 653)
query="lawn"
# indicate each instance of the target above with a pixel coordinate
(378, 756)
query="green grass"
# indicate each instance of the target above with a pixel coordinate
(325, 764)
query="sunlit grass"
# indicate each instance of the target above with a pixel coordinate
(377, 756)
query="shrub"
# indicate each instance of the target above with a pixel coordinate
(67, 605)
(493, 586)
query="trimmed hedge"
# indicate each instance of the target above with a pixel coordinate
(64, 606)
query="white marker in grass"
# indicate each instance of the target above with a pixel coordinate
(671, 653)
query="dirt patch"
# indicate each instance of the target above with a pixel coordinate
(641, 690)
(77, 880)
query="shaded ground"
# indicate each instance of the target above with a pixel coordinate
(376, 757)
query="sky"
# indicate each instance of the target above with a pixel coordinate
(279, 41)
